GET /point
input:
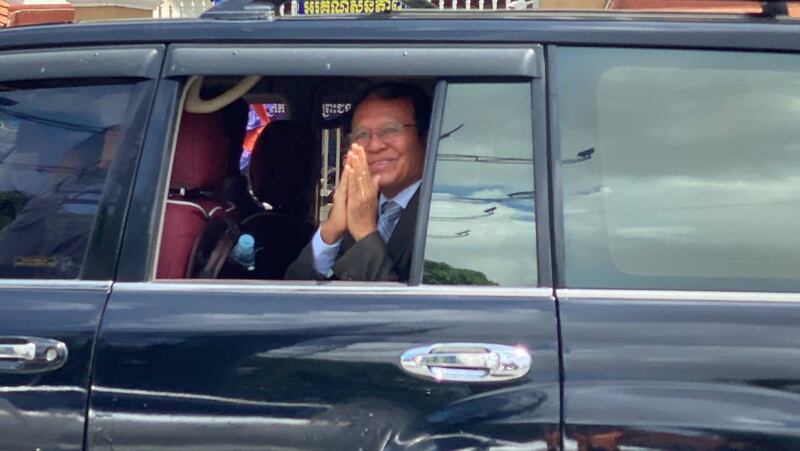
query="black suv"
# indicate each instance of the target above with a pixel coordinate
(606, 255)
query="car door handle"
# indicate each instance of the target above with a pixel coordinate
(31, 354)
(467, 362)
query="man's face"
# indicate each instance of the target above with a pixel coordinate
(399, 156)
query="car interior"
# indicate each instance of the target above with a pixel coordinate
(254, 165)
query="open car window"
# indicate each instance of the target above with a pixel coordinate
(252, 182)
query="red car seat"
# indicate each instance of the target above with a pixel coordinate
(199, 169)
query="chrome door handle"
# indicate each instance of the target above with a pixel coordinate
(31, 354)
(467, 362)
(25, 351)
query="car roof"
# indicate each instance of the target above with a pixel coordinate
(412, 27)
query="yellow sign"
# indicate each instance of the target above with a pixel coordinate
(333, 7)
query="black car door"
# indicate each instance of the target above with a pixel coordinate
(71, 122)
(681, 261)
(224, 364)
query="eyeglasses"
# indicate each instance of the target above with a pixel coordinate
(386, 133)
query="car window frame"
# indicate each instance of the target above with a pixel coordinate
(423, 61)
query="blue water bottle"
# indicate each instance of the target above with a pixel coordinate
(244, 253)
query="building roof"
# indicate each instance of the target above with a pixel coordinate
(21, 14)
(3, 13)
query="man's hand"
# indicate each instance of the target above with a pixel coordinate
(334, 227)
(362, 194)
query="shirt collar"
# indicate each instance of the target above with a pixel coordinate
(403, 197)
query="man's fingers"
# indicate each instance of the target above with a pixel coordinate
(336, 224)
(361, 151)
(360, 155)
(343, 182)
(357, 149)
(341, 187)
(357, 176)
(376, 180)
(352, 181)
(371, 189)
(362, 197)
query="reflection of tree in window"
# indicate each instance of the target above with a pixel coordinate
(439, 273)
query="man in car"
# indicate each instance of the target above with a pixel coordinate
(369, 232)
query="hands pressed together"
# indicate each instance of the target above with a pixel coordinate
(355, 201)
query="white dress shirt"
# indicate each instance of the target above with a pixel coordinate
(325, 254)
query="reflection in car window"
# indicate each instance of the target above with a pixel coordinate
(56, 145)
(481, 229)
(688, 173)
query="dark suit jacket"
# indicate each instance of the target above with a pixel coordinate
(369, 259)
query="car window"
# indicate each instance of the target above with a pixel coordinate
(253, 221)
(481, 229)
(56, 145)
(680, 169)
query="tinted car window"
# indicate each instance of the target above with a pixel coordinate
(680, 169)
(481, 229)
(56, 144)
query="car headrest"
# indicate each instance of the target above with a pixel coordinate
(201, 152)
(283, 167)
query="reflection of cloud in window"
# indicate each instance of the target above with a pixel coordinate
(682, 193)
(72, 103)
(486, 212)
(693, 227)
(502, 246)
(493, 193)
(49, 124)
(482, 207)
(495, 141)
(523, 216)
(483, 159)
(701, 121)
(508, 178)
(677, 234)
(520, 200)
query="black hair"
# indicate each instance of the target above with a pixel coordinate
(420, 101)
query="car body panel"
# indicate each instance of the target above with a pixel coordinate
(47, 410)
(681, 373)
(260, 365)
(225, 366)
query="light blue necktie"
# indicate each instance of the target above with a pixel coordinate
(390, 214)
